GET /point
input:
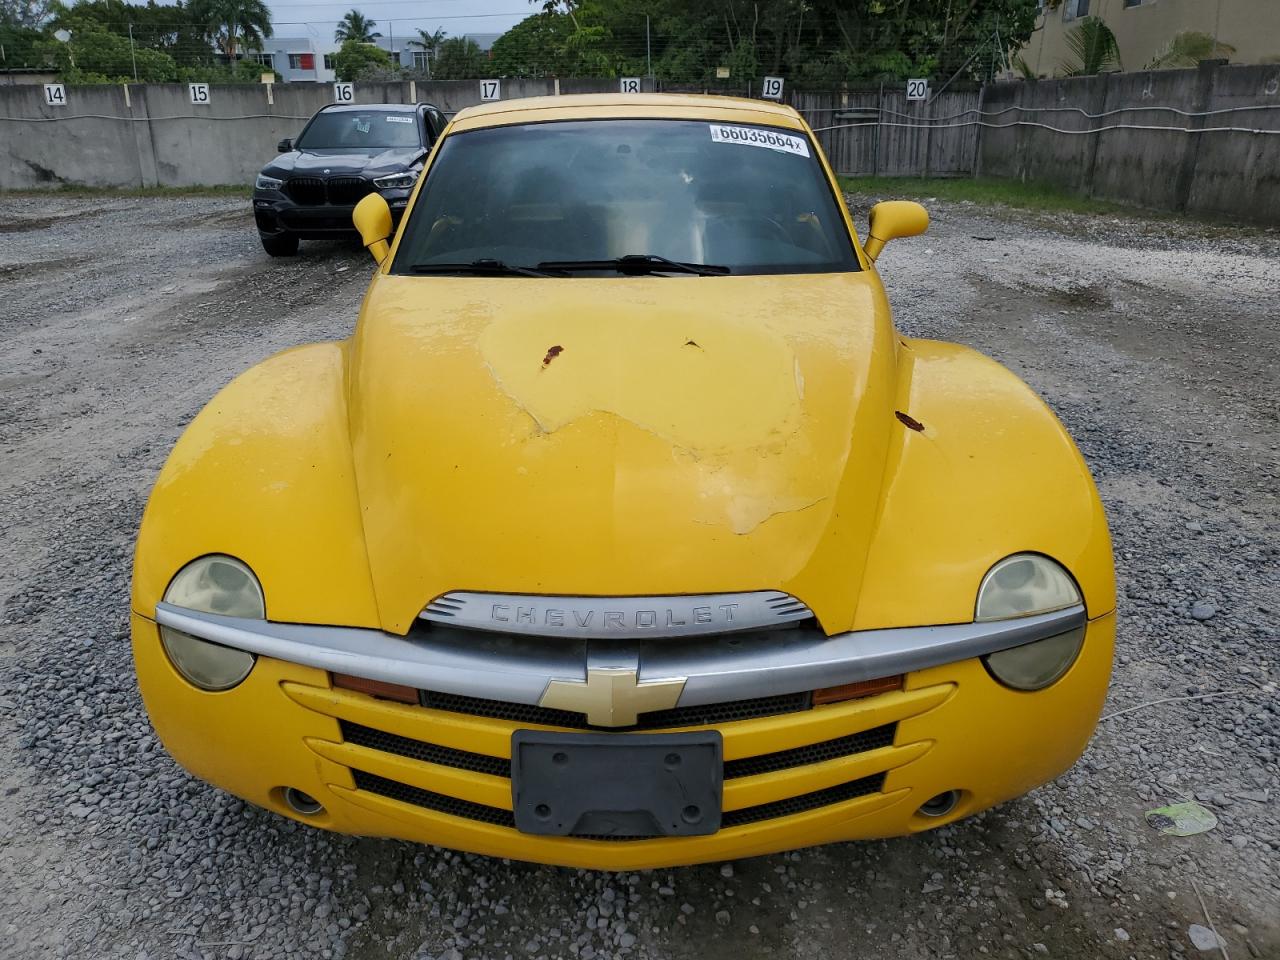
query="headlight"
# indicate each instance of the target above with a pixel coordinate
(267, 183)
(396, 180)
(213, 584)
(1021, 586)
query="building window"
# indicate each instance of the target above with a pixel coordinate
(420, 60)
(328, 61)
(302, 61)
(1075, 8)
(266, 59)
(1132, 3)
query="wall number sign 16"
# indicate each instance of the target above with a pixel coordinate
(917, 89)
(55, 94)
(490, 90)
(344, 93)
(199, 92)
(771, 88)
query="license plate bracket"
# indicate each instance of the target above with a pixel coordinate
(617, 785)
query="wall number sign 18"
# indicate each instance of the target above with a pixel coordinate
(917, 89)
(199, 92)
(490, 89)
(629, 85)
(344, 93)
(55, 94)
(771, 89)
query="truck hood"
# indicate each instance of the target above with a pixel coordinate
(628, 436)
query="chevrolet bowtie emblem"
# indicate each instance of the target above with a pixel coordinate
(612, 697)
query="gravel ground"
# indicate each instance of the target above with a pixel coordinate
(1155, 340)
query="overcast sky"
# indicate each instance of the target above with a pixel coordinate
(396, 18)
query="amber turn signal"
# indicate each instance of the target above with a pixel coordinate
(376, 688)
(851, 691)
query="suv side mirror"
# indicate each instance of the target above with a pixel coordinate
(284, 146)
(372, 218)
(892, 219)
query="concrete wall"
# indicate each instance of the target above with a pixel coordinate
(1161, 165)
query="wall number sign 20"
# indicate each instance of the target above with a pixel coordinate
(917, 89)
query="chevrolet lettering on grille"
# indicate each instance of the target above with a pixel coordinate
(600, 617)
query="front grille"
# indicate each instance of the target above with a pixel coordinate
(713, 713)
(430, 752)
(347, 191)
(812, 753)
(306, 191)
(505, 818)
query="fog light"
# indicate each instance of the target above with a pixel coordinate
(302, 803)
(940, 805)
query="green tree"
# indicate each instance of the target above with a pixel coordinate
(355, 59)
(460, 58)
(430, 42)
(355, 26)
(232, 24)
(96, 55)
(1188, 48)
(1093, 49)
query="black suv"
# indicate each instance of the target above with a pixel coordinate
(343, 153)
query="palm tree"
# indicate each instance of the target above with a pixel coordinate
(1188, 48)
(355, 26)
(430, 42)
(1093, 48)
(230, 24)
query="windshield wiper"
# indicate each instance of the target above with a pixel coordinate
(485, 268)
(637, 264)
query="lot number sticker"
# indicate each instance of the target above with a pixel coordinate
(755, 137)
(771, 89)
(630, 85)
(490, 90)
(917, 89)
(199, 92)
(344, 93)
(55, 95)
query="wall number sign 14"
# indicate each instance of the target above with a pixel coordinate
(344, 93)
(55, 94)
(199, 92)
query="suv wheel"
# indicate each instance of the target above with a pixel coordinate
(280, 245)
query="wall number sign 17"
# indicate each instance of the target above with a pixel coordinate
(55, 94)
(199, 92)
(917, 89)
(344, 93)
(629, 85)
(490, 89)
(771, 88)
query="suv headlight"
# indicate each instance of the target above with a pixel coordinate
(397, 180)
(1023, 585)
(212, 584)
(267, 183)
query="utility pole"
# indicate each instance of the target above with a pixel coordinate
(648, 50)
(133, 54)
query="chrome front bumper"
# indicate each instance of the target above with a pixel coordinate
(716, 669)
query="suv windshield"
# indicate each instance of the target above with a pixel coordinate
(749, 198)
(360, 130)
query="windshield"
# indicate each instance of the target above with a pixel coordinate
(360, 130)
(752, 199)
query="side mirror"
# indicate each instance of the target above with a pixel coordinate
(284, 146)
(372, 218)
(893, 219)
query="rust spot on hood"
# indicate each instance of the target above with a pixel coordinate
(552, 354)
(911, 423)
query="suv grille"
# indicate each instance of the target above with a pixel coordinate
(306, 191)
(347, 191)
(338, 191)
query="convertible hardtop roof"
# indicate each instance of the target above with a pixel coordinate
(632, 105)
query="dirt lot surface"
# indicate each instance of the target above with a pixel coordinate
(1156, 341)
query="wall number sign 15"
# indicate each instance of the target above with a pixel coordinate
(344, 93)
(199, 92)
(490, 90)
(55, 94)
(771, 88)
(917, 89)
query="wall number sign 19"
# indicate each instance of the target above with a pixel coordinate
(490, 89)
(629, 85)
(199, 92)
(55, 94)
(917, 89)
(771, 89)
(344, 93)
